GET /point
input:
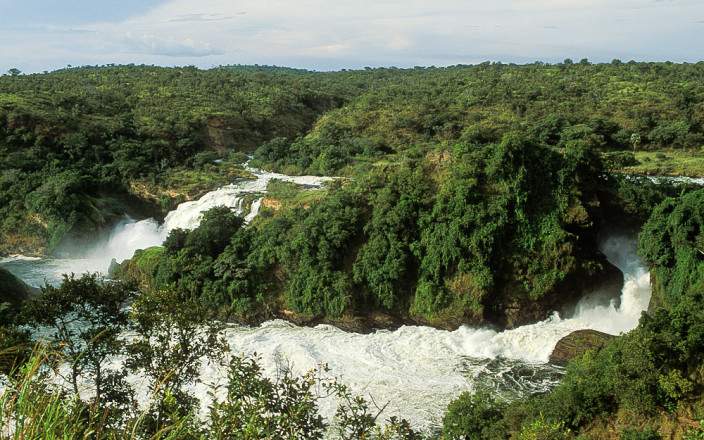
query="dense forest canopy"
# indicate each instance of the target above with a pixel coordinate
(70, 138)
(460, 237)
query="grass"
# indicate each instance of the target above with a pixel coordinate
(182, 184)
(32, 410)
(292, 195)
(668, 163)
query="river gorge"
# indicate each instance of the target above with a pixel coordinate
(416, 369)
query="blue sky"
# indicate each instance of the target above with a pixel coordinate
(69, 12)
(37, 35)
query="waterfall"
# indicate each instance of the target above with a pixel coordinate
(418, 370)
(131, 235)
(127, 238)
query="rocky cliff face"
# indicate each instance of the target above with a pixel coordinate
(521, 311)
(220, 133)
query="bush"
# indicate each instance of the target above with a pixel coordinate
(695, 433)
(542, 430)
(632, 434)
(619, 159)
(204, 159)
(214, 233)
(474, 416)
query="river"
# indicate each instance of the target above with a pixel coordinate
(418, 370)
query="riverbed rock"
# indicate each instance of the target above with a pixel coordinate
(577, 343)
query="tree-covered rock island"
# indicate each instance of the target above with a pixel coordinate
(462, 196)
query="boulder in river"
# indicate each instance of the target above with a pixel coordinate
(577, 343)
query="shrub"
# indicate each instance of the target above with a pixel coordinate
(474, 416)
(542, 430)
(633, 434)
(619, 159)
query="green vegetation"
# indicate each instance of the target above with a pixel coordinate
(441, 241)
(667, 163)
(70, 138)
(12, 290)
(471, 194)
(477, 416)
(650, 374)
(79, 146)
(14, 343)
(610, 107)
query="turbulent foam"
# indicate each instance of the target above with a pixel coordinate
(672, 180)
(419, 369)
(18, 257)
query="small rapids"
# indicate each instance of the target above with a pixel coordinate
(676, 180)
(418, 370)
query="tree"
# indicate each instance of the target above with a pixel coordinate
(258, 407)
(172, 337)
(14, 71)
(85, 317)
(635, 141)
(476, 416)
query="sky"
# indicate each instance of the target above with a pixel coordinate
(38, 35)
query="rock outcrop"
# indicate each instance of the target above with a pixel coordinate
(577, 343)
(12, 290)
(524, 310)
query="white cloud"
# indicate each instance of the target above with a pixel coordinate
(168, 46)
(344, 33)
(202, 17)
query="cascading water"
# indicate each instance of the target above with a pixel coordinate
(418, 370)
(188, 215)
(130, 235)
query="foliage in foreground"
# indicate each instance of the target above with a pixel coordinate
(70, 388)
(253, 407)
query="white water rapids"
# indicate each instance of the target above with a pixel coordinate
(131, 235)
(420, 369)
(417, 369)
